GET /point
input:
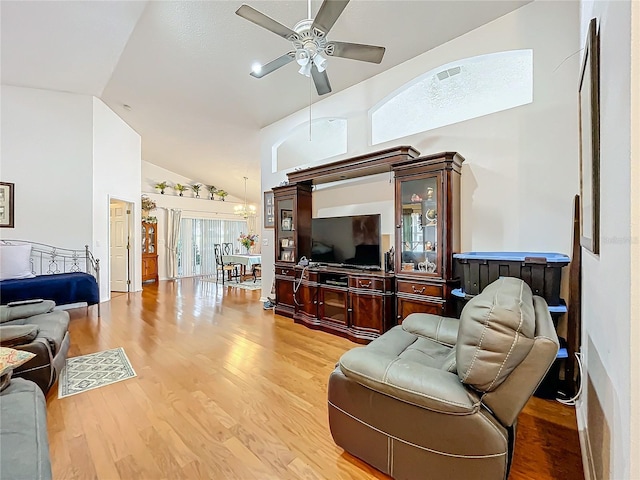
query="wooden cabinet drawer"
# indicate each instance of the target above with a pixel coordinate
(285, 272)
(417, 288)
(406, 307)
(366, 283)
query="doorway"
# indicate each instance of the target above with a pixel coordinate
(120, 245)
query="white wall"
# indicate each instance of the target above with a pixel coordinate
(116, 174)
(634, 319)
(46, 151)
(67, 154)
(521, 169)
(606, 278)
(190, 206)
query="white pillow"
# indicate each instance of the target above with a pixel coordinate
(14, 262)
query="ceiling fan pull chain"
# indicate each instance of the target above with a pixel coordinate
(310, 100)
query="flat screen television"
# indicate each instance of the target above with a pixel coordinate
(353, 240)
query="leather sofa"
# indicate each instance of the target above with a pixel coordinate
(438, 398)
(39, 329)
(24, 444)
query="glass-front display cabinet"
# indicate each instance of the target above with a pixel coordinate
(149, 251)
(419, 225)
(292, 226)
(427, 218)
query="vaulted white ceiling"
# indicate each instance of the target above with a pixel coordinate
(183, 66)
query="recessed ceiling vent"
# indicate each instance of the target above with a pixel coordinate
(448, 73)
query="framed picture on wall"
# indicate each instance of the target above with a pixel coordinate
(6, 205)
(269, 210)
(589, 108)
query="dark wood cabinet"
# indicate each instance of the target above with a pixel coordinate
(351, 303)
(149, 252)
(284, 279)
(292, 207)
(427, 214)
(363, 304)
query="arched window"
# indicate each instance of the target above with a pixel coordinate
(455, 92)
(328, 139)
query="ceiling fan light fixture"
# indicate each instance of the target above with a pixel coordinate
(302, 57)
(306, 69)
(320, 62)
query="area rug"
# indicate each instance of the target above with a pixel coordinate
(95, 370)
(246, 285)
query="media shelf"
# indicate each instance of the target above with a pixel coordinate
(354, 303)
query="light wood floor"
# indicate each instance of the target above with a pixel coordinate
(226, 389)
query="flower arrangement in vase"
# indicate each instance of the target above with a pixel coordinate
(212, 191)
(196, 188)
(147, 204)
(248, 240)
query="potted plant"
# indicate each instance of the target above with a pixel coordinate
(196, 188)
(181, 188)
(212, 191)
(161, 186)
(221, 194)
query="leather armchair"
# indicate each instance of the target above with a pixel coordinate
(39, 329)
(439, 397)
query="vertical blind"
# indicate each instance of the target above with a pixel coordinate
(195, 253)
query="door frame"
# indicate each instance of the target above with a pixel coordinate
(131, 251)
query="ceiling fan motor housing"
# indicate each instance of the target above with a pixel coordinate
(309, 42)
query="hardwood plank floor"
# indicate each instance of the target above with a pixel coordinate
(226, 389)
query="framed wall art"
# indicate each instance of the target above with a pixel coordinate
(589, 108)
(6, 205)
(269, 210)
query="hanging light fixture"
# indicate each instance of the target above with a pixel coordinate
(245, 211)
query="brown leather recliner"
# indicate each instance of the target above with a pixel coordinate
(39, 329)
(438, 398)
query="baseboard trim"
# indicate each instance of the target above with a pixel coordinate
(585, 445)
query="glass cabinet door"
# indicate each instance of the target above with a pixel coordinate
(419, 225)
(285, 237)
(144, 239)
(152, 239)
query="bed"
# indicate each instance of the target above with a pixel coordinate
(63, 275)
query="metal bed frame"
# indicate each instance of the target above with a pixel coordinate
(50, 260)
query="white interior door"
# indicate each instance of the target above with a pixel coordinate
(119, 241)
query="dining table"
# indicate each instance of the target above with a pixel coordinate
(244, 260)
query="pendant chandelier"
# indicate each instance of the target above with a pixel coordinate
(245, 211)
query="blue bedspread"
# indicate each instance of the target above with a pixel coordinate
(63, 288)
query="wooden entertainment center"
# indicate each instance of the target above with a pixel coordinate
(362, 303)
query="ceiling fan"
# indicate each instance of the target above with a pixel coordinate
(311, 47)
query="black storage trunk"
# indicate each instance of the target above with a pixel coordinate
(541, 271)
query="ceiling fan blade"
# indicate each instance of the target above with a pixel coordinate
(321, 81)
(260, 19)
(329, 12)
(355, 51)
(273, 65)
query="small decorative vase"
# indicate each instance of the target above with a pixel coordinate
(162, 191)
(181, 194)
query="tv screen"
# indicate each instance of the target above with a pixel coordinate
(351, 240)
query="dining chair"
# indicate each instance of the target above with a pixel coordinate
(231, 269)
